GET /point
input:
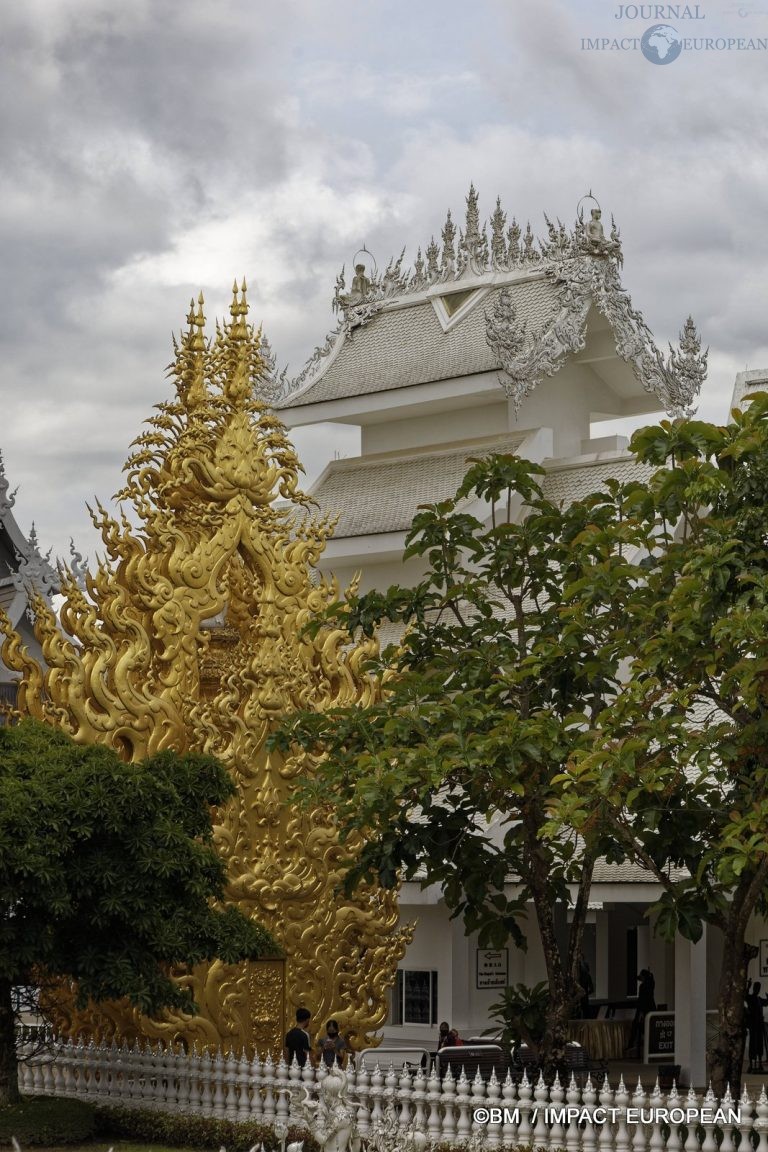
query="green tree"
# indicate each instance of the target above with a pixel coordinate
(450, 774)
(680, 771)
(108, 874)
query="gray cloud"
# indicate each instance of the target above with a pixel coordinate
(152, 149)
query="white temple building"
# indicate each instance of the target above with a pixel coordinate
(495, 342)
(22, 567)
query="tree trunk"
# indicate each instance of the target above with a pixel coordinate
(728, 1052)
(564, 991)
(9, 1069)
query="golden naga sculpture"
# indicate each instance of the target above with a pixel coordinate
(188, 636)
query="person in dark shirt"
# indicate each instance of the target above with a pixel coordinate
(333, 1049)
(755, 1004)
(442, 1038)
(298, 1042)
(646, 1002)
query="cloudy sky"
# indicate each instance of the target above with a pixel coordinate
(155, 148)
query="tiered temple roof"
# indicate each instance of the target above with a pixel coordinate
(492, 301)
(22, 567)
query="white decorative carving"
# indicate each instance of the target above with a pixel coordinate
(7, 499)
(584, 264)
(584, 280)
(34, 570)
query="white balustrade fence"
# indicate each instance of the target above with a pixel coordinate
(592, 1118)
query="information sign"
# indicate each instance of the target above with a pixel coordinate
(492, 968)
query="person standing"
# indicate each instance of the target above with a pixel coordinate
(332, 1046)
(646, 1002)
(755, 1004)
(298, 1042)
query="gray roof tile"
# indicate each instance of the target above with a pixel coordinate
(383, 495)
(408, 346)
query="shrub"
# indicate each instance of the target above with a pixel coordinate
(46, 1120)
(204, 1132)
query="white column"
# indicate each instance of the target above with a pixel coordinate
(691, 1009)
(602, 954)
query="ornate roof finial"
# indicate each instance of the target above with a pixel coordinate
(469, 247)
(7, 499)
(498, 243)
(433, 260)
(449, 252)
(238, 329)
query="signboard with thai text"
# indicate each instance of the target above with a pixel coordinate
(492, 968)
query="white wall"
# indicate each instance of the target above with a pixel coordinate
(437, 428)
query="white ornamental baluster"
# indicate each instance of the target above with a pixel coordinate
(493, 1093)
(588, 1100)
(206, 1083)
(538, 1116)
(230, 1085)
(113, 1069)
(709, 1105)
(32, 1076)
(165, 1081)
(525, 1094)
(268, 1080)
(69, 1083)
(258, 1084)
(404, 1097)
(674, 1101)
(244, 1085)
(55, 1075)
(639, 1138)
(182, 1078)
(433, 1098)
(450, 1111)
(142, 1082)
(196, 1080)
(158, 1075)
(477, 1100)
(727, 1104)
(282, 1093)
(463, 1126)
(572, 1129)
(692, 1139)
(39, 1069)
(24, 1077)
(419, 1101)
(745, 1124)
(606, 1131)
(557, 1100)
(375, 1094)
(77, 1057)
(510, 1130)
(621, 1100)
(761, 1123)
(362, 1088)
(655, 1101)
(218, 1085)
(102, 1073)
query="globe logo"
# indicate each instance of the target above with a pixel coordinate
(661, 44)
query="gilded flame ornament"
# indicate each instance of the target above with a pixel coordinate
(189, 635)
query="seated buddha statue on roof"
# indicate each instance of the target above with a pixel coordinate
(596, 243)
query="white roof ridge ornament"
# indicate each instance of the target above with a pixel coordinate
(510, 249)
(586, 273)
